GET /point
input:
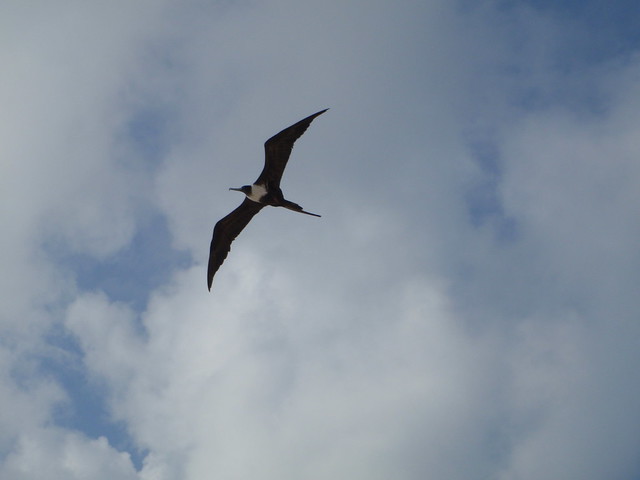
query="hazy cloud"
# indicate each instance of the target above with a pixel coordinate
(465, 308)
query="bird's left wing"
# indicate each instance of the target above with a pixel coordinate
(278, 149)
(225, 232)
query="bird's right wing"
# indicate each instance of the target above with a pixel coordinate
(225, 232)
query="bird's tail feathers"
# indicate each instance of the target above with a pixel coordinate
(309, 213)
(297, 208)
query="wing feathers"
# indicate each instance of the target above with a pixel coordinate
(226, 231)
(278, 149)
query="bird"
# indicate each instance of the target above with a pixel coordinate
(264, 191)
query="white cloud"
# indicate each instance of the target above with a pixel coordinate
(251, 393)
(54, 455)
(396, 336)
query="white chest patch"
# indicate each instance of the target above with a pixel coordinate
(257, 192)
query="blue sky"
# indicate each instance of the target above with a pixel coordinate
(466, 307)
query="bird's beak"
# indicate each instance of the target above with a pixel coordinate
(236, 189)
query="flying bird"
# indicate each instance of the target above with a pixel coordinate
(264, 191)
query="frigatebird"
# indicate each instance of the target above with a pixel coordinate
(264, 191)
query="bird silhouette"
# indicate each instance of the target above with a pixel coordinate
(264, 191)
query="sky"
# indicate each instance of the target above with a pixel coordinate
(466, 308)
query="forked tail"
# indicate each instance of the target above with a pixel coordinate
(296, 208)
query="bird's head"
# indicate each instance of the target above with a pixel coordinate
(246, 189)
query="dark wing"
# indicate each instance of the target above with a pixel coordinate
(278, 148)
(225, 232)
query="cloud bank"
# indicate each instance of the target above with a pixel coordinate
(465, 308)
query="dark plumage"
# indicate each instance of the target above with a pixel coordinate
(265, 191)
